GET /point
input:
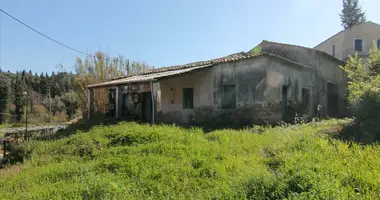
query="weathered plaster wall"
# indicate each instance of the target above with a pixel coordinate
(249, 78)
(258, 92)
(329, 71)
(207, 84)
(295, 78)
(295, 53)
(157, 96)
(258, 82)
(344, 41)
(247, 75)
(171, 96)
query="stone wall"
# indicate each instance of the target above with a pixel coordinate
(214, 117)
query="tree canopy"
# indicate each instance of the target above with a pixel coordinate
(352, 14)
(68, 91)
(364, 95)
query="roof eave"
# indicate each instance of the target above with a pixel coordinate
(107, 84)
(147, 80)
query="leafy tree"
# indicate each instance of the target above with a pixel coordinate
(36, 84)
(364, 95)
(4, 94)
(18, 90)
(101, 68)
(68, 90)
(8, 115)
(352, 14)
(374, 61)
(44, 85)
(57, 104)
(71, 101)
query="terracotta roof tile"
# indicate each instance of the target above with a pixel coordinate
(180, 69)
(232, 57)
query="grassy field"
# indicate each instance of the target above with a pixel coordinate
(15, 125)
(4, 126)
(132, 161)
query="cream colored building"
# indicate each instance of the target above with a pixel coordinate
(358, 39)
(236, 90)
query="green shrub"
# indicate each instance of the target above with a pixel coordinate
(364, 96)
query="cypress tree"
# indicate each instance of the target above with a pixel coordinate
(352, 14)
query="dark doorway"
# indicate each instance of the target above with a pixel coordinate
(111, 102)
(229, 97)
(284, 101)
(146, 107)
(305, 101)
(125, 110)
(332, 99)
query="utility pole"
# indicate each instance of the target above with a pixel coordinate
(0, 42)
(49, 107)
(26, 114)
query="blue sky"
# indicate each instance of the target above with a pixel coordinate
(161, 33)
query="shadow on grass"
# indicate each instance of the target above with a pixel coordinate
(210, 126)
(83, 125)
(365, 128)
(366, 132)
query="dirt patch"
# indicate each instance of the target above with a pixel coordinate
(73, 121)
(9, 171)
(333, 129)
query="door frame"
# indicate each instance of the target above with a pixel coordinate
(284, 102)
(146, 99)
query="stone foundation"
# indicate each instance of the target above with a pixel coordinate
(212, 116)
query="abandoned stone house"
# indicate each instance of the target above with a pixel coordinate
(270, 83)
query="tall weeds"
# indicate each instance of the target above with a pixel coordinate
(101, 68)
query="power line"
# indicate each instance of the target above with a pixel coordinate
(60, 43)
(44, 35)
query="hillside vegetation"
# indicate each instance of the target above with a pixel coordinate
(132, 161)
(60, 96)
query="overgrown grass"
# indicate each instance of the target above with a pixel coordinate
(4, 126)
(132, 161)
(18, 125)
